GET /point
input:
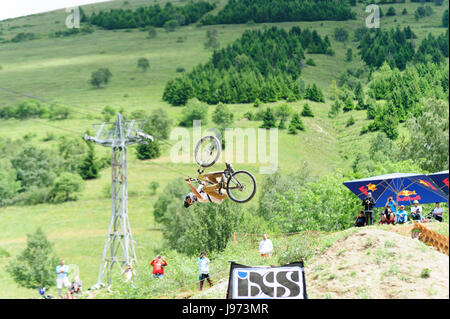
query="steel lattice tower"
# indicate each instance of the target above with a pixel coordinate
(119, 244)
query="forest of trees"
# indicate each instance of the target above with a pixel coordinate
(154, 15)
(248, 70)
(243, 11)
(403, 93)
(396, 48)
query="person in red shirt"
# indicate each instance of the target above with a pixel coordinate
(158, 266)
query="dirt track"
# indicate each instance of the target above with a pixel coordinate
(371, 263)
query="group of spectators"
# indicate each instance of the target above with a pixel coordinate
(158, 264)
(62, 280)
(265, 249)
(393, 213)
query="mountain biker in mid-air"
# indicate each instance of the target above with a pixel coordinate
(206, 193)
(239, 186)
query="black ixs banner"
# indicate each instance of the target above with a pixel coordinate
(283, 282)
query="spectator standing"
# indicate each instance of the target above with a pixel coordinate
(437, 212)
(128, 273)
(361, 220)
(416, 211)
(158, 266)
(369, 204)
(203, 269)
(401, 215)
(265, 247)
(61, 277)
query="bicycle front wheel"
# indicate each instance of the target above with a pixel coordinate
(241, 186)
(207, 151)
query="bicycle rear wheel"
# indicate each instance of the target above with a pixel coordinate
(207, 151)
(241, 186)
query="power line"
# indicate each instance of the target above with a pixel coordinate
(51, 102)
(74, 107)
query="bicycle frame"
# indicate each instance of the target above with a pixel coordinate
(214, 188)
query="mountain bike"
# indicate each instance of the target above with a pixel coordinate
(240, 185)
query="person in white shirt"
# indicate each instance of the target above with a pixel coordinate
(416, 211)
(61, 276)
(265, 247)
(437, 212)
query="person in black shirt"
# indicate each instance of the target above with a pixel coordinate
(360, 221)
(369, 203)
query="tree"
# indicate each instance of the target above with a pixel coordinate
(154, 186)
(391, 11)
(430, 131)
(9, 186)
(340, 34)
(269, 120)
(35, 167)
(194, 110)
(35, 266)
(313, 93)
(307, 111)
(222, 116)
(296, 124)
(350, 121)
(89, 167)
(151, 32)
(99, 77)
(148, 151)
(143, 64)
(65, 188)
(157, 124)
(171, 25)
(349, 55)
(445, 19)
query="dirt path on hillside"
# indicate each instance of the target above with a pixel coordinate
(371, 263)
(376, 264)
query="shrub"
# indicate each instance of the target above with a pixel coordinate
(340, 34)
(350, 121)
(99, 77)
(194, 110)
(65, 188)
(148, 151)
(35, 266)
(310, 62)
(307, 111)
(143, 64)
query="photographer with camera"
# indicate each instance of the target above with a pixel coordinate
(390, 203)
(369, 204)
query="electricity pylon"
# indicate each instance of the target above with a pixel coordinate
(119, 244)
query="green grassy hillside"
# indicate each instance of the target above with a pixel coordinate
(58, 69)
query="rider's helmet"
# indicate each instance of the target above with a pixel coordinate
(189, 199)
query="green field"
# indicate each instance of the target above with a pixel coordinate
(58, 69)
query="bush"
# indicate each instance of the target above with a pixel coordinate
(148, 151)
(350, 121)
(35, 266)
(310, 62)
(9, 186)
(65, 188)
(99, 77)
(307, 111)
(340, 34)
(170, 25)
(194, 110)
(143, 64)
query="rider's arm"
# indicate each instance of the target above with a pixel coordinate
(195, 191)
